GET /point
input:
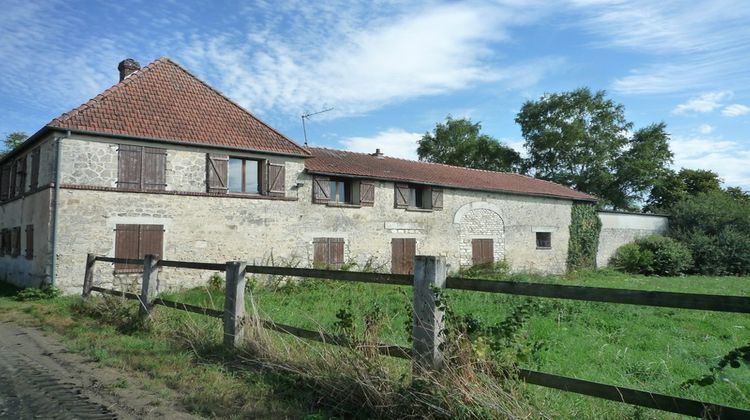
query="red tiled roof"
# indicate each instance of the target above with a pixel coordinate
(328, 161)
(164, 101)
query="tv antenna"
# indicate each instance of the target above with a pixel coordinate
(307, 116)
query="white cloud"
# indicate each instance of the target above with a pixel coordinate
(704, 103)
(735, 110)
(393, 142)
(727, 158)
(706, 129)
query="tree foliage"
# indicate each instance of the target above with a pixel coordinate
(673, 187)
(12, 141)
(459, 142)
(580, 139)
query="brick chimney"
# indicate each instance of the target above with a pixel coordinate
(127, 67)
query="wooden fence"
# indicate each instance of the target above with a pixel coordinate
(427, 320)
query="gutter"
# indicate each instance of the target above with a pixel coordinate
(56, 206)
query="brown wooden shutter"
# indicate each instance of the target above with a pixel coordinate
(402, 195)
(276, 179)
(3, 242)
(482, 251)
(335, 252)
(127, 238)
(320, 252)
(29, 242)
(321, 189)
(129, 167)
(151, 240)
(367, 193)
(216, 173)
(12, 180)
(16, 239)
(21, 179)
(154, 169)
(403, 251)
(5, 183)
(437, 198)
(35, 159)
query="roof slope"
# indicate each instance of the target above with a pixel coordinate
(164, 101)
(330, 161)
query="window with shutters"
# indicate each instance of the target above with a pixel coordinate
(341, 191)
(141, 168)
(482, 251)
(35, 159)
(20, 177)
(403, 251)
(12, 179)
(29, 242)
(244, 176)
(135, 242)
(5, 183)
(15, 241)
(328, 252)
(543, 240)
(4, 242)
(415, 196)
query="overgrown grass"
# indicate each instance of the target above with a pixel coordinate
(654, 349)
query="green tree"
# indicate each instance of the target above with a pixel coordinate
(673, 187)
(580, 139)
(12, 141)
(459, 142)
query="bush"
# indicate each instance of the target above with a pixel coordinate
(716, 229)
(653, 255)
(42, 293)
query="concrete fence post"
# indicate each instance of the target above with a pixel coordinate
(148, 285)
(234, 304)
(88, 278)
(428, 318)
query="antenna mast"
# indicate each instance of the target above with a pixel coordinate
(307, 116)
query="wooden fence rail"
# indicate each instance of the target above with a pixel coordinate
(427, 317)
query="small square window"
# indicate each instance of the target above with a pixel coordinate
(543, 240)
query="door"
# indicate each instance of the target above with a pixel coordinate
(403, 251)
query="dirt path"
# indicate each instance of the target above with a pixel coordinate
(39, 378)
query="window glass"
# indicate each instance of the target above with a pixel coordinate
(416, 197)
(543, 240)
(339, 191)
(251, 176)
(234, 183)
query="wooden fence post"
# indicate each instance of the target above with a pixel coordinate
(427, 322)
(148, 285)
(234, 304)
(88, 278)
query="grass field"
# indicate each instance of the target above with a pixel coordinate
(646, 348)
(653, 349)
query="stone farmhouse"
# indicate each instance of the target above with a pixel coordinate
(161, 163)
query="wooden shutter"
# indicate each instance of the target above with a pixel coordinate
(276, 179)
(151, 240)
(335, 252)
(3, 242)
(482, 251)
(403, 251)
(29, 242)
(321, 189)
(154, 169)
(127, 238)
(320, 252)
(367, 193)
(12, 180)
(402, 195)
(16, 241)
(35, 158)
(216, 173)
(437, 198)
(129, 167)
(5, 183)
(21, 179)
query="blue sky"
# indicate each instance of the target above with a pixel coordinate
(392, 69)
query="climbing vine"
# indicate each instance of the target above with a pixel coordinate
(584, 237)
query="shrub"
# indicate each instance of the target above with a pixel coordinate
(716, 228)
(651, 255)
(42, 293)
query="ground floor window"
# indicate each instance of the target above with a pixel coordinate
(15, 241)
(29, 242)
(543, 240)
(328, 252)
(403, 251)
(135, 242)
(482, 251)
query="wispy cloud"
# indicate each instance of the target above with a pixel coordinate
(705, 129)
(706, 102)
(735, 110)
(727, 158)
(393, 142)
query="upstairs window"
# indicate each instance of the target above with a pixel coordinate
(341, 191)
(244, 176)
(543, 240)
(141, 168)
(417, 196)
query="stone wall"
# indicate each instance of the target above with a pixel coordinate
(619, 229)
(33, 209)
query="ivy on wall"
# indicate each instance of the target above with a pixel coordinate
(584, 236)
